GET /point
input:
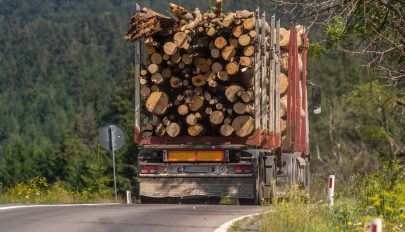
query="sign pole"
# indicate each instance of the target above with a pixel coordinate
(113, 157)
(331, 189)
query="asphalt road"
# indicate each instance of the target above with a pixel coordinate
(121, 218)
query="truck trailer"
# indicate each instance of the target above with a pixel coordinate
(250, 168)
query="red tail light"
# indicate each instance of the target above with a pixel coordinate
(149, 169)
(243, 169)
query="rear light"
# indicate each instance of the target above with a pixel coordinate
(149, 169)
(243, 169)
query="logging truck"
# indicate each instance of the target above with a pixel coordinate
(221, 105)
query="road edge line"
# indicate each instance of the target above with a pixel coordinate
(50, 205)
(225, 227)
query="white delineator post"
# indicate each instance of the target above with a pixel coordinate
(129, 199)
(376, 225)
(331, 189)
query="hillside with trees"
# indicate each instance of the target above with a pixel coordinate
(66, 71)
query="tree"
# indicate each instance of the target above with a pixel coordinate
(377, 25)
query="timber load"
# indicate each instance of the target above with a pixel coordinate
(200, 71)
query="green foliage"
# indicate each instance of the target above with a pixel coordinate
(37, 190)
(316, 49)
(335, 31)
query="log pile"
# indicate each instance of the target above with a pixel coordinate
(200, 71)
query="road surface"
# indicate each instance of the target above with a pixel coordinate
(121, 218)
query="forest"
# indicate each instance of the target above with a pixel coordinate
(66, 71)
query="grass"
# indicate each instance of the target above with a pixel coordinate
(37, 190)
(378, 194)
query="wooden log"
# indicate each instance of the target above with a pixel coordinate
(213, 101)
(244, 40)
(234, 43)
(143, 81)
(166, 57)
(228, 121)
(176, 58)
(228, 53)
(180, 12)
(156, 58)
(243, 14)
(166, 73)
(198, 80)
(155, 88)
(231, 92)
(284, 37)
(249, 23)
(157, 103)
(202, 64)
(170, 48)
(145, 91)
(187, 59)
(247, 76)
(283, 126)
(191, 119)
(173, 129)
(215, 53)
(166, 121)
(249, 50)
(246, 96)
(226, 130)
(196, 103)
(157, 78)
(219, 106)
(243, 125)
(220, 42)
(216, 117)
(207, 96)
(283, 106)
(252, 34)
(191, 25)
(246, 61)
(208, 110)
(195, 130)
(181, 39)
(237, 31)
(150, 49)
(144, 72)
(228, 19)
(211, 31)
(175, 82)
(216, 67)
(283, 84)
(237, 21)
(223, 75)
(218, 7)
(239, 108)
(147, 130)
(232, 68)
(160, 129)
(181, 65)
(146, 23)
(153, 68)
(185, 82)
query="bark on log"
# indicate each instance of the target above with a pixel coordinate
(228, 53)
(180, 12)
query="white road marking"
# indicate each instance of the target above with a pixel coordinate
(59, 205)
(225, 227)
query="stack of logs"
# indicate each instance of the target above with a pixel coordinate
(200, 71)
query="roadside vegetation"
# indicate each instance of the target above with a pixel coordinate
(38, 190)
(380, 194)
